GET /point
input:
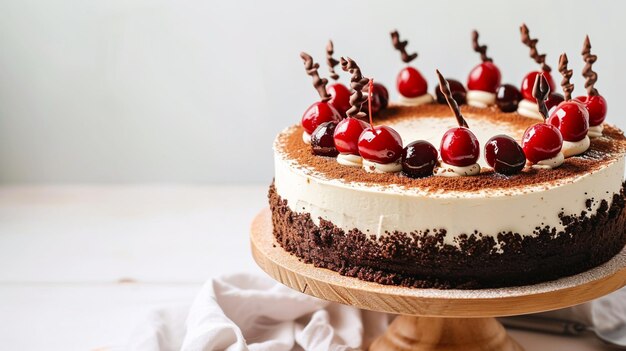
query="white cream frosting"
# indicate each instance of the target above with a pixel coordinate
(573, 148)
(306, 137)
(350, 160)
(595, 131)
(479, 98)
(550, 163)
(446, 170)
(420, 100)
(530, 109)
(375, 167)
(377, 209)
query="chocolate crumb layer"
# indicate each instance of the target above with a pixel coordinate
(601, 152)
(422, 260)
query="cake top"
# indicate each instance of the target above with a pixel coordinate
(469, 137)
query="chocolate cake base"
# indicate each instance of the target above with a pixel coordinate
(422, 260)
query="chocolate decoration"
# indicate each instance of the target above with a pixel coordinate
(481, 49)
(532, 44)
(311, 69)
(445, 90)
(590, 76)
(357, 82)
(401, 46)
(330, 61)
(567, 86)
(541, 91)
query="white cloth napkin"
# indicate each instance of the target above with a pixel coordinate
(249, 312)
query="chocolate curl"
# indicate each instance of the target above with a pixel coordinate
(532, 44)
(311, 69)
(567, 86)
(481, 49)
(541, 91)
(357, 82)
(401, 46)
(444, 86)
(590, 76)
(330, 61)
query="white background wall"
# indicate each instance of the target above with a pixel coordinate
(194, 91)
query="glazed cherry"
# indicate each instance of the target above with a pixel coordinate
(458, 92)
(347, 135)
(554, 99)
(596, 106)
(572, 120)
(419, 158)
(508, 98)
(504, 155)
(529, 81)
(380, 99)
(380, 144)
(340, 97)
(484, 77)
(322, 141)
(459, 147)
(541, 141)
(317, 114)
(411, 83)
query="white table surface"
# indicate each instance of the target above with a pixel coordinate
(81, 266)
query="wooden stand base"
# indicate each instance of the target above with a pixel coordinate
(410, 333)
(430, 319)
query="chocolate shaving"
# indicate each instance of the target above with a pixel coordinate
(357, 82)
(481, 49)
(330, 61)
(541, 91)
(590, 76)
(311, 69)
(400, 45)
(444, 86)
(567, 86)
(532, 44)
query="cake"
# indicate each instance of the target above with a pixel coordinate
(456, 190)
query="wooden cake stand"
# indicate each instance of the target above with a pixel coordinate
(432, 319)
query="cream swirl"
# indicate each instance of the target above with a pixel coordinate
(528, 108)
(573, 148)
(350, 160)
(595, 131)
(479, 98)
(550, 163)
(306, 137)
(446, 170)
(375, 167)
(419, 100)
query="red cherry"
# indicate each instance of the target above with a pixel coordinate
(347, 135)
(380, 98)
(484, 77)
(572, 120)
(459, 147)
(529, 81)
(508, 97)
(456, 88)
(339, 97)
(596, 105)
(317, 114)
(504, 155)
(380, 144)
(322, 142)
(411, 83)
(541, 142)
(554, 99)
(419, 159)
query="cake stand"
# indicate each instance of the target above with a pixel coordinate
(432, 319)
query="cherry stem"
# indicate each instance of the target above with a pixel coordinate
(369, 99)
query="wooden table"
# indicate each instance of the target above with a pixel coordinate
(81, 266)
